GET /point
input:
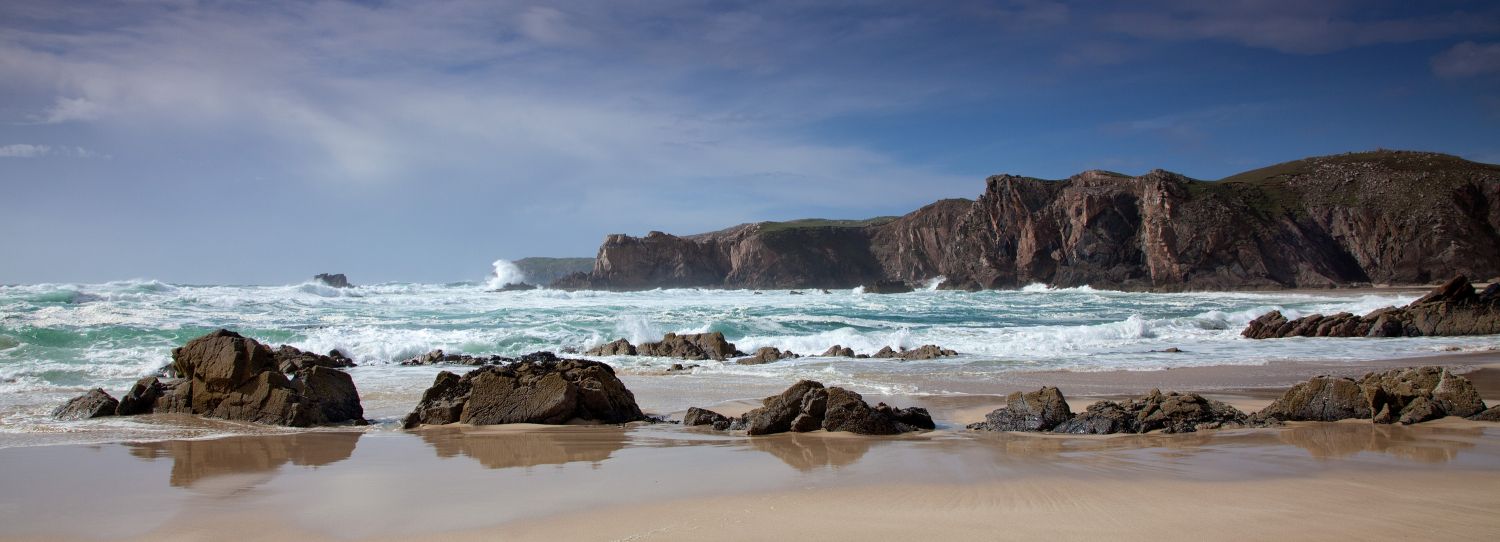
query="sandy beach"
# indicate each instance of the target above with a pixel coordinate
(666, 482)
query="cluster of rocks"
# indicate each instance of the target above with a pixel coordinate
(543, 390)
(926, 351)
(886, 286)
(808, 406)
(290, 359)
(1406, 396)
(1046, 410)
(693, 346)
(517, 287)
(438, 357)
(767, 354)
(1455, 308)
(225, 375)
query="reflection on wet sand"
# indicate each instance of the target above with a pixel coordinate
(807, 452)
(259, 457)
(1425, 444)
(497, 448)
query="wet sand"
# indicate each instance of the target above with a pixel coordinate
(1345, 480)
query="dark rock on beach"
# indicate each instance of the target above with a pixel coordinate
(808, 406)
(1411, 395)
(619, 347)
(233, 377)
(1491, 414)
(539, 390)
(695, 346)
(141, 399)
(926, 351)
(838, 351)
(697, 416)
(336, 280)
(1040, 410)
(438, 357)
(1454, 308)
(1166, 412)
(290, 360)
(94, 404)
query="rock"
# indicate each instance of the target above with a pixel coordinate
(1491, 414)
(886, 352)
(438, 357)
(1321, 399)
(1172, 350)
(1419, 394)
(94, 404)
(927, 351)
(766, 354)
(546, 391)
(697, 416)
(336, 280)
(236, 378)
(885, 286)
(1451, 309)
(618, 347)
(1169, 413)
(838, 351)
(517, 287)
(698, 346)
(141, 399)
(290, 360)
(808, 406)
(1041, 410)
(778, 412)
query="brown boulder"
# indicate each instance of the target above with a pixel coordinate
(778, 413)
(141, 399)
(698, 416)
(838, 351)
(618, 347)
(1451, 309)
(1040, 410)
(1429, 392)
(697, 346)
(927, 351)
(766, 354)
(1322, 399)
(290, 359)
(547, 391)
(94, 404)
(1167, 412)
(808, 406)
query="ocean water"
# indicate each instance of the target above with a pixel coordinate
(58, 340)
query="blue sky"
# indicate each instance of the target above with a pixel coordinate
(262, 142)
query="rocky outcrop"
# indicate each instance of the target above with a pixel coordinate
(926, 351)
(695, 346)
(618, 347)
(1491, 414)
(1411, 395)
(94, 404)
(1040, 410)
(887, 286)
(438, 357)
(544, 390)
(290, 360)
(1319, 222)
(808, 406)
(838, 351)
(517, 287)
(226, 375)
(766, 354)
(1157, 411)
(1454, 308)
(336, 280)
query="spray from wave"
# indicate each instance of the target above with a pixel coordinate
(505, 273)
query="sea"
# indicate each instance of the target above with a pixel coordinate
(60, 340)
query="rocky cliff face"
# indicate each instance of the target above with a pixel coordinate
(1380, 217)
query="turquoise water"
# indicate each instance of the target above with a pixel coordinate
(57, 340)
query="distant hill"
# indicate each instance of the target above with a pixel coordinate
(1385, 217)
(546, 270)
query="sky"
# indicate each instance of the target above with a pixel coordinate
(262, 142)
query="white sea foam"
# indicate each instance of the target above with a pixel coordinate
(505, 273)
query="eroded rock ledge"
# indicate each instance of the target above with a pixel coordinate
(705, 346)
(808, 406)
(1454, 308)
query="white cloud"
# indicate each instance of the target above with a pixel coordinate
(1468, 59)
(66, 109)
(23, 150)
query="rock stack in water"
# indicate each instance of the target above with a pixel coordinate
(543, 390)
(808, 406)
(226, 375)
(1454, 308)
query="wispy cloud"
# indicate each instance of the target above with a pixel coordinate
(1468, 59)
(27, 150)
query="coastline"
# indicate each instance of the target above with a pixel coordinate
(667, 482)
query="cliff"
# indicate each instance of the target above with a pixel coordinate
(1389, 217)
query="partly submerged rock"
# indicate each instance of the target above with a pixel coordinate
(438, 357)
(695, 346)
(290, 359)
(1454, 308)
(927, 351)
(1409, 395)
(336, 280)
(766, 354)
(699, 416)
(141, 399)
(233, 377)
(1322, 399)
(1040, 410)
(538, 390)
(838, 351)
(618, 347)
(887, 286)
(94, 404)
(1491, 414)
